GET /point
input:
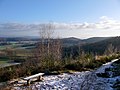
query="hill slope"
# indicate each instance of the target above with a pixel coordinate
(99, 47)
(95, 39)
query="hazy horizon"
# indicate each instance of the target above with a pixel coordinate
(36, 37)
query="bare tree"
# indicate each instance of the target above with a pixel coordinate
(48, 47)
(110, 50)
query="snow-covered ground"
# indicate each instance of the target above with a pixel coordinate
(104, 66)
(87, 80)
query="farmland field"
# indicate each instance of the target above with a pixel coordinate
(18, 54)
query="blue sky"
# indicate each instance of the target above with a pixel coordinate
(59, 11)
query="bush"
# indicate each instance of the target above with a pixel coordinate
(74, 66)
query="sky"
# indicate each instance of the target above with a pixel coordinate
(71, 18)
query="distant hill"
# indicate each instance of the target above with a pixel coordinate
(95, 39)
(71, 41)
(95, 44)
(99, 47)
(75, 41)
(18, 39)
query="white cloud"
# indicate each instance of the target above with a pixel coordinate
(104, 23)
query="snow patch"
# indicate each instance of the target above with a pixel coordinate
(87, 80)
